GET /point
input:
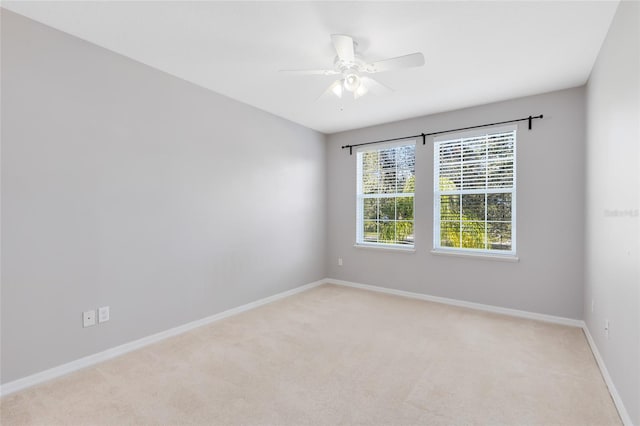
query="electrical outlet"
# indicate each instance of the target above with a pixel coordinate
(103, 314)
(339, 261)
(606, 328)
(88, 318)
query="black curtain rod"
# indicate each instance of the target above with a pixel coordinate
(424, 135)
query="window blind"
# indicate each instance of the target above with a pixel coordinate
(474, 192)
(385, 192)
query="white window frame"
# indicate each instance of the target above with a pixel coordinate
(360, 242)
(484, 253)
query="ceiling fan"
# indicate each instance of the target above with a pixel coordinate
(353, 70)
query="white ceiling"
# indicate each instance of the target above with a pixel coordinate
(476, 52)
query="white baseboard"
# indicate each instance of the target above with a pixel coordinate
(90, 360)
(464, 304)
(624, 415)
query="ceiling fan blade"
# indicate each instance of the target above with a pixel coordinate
(374, 86)
(335, 89)
(344, 47)
(406, 61)
(310, 72)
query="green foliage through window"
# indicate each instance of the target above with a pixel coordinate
(386, 185)
(475, 192)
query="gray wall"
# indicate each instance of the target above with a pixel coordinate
(613, 204)
(549, 276)
(127, 187)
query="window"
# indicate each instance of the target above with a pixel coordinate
(386, 182)
(475, 192)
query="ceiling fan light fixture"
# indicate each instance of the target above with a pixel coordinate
(360, 91)
(352, 81)
(355, 72)
(337, 90)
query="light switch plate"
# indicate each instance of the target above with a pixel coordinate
(88, 318)
(103, 314)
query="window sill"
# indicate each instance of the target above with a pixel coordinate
(396, 249)
(482, 256)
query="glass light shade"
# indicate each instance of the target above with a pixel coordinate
(360, 91)
(337, 90)
(352, 82)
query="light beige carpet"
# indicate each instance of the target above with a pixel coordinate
(336, 355)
